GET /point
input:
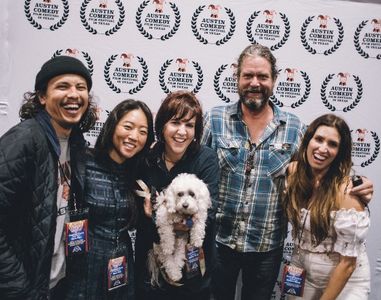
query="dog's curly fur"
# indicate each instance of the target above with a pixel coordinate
(186, 197)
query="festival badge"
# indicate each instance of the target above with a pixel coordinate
(293, 280)
(117, 272)
(76, 237)
(195, 262)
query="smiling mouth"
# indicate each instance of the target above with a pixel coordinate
(71, 107)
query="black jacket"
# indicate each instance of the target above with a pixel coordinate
(28, 205)
(204, 164)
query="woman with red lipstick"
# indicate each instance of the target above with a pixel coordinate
(106, 270)
(178, 128)
(329, 224)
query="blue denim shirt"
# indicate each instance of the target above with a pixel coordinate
(250, 216)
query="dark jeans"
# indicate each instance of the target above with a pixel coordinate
(259, 273)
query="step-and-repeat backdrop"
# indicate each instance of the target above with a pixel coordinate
(329, 60)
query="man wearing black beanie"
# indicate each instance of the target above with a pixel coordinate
(39, 181)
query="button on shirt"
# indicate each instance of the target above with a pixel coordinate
(250, 216)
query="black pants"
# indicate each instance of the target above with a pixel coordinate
(259, 273)
(59, 291)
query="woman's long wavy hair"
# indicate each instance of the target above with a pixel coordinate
(326, 195)
(31, 106)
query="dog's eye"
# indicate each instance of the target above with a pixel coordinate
(191, 193)
(180, 194)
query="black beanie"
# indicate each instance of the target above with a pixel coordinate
(60, 65)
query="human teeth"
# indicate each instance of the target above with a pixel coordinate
(319, 157)
(71, 106)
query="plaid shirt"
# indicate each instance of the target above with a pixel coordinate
(250, 216)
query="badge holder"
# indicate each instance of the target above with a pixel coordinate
(293, 280)
(76, 231)
(117, 269)
(195, 262)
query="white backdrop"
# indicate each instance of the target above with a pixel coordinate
(329, 57)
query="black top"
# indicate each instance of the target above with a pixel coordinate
(204, 164)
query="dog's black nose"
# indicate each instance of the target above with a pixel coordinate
(185, 204)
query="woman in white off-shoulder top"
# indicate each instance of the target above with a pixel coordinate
(329, 223)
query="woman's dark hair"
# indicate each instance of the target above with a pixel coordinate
(178, 105)
(301, 182)
(31, 106)
(104, 141)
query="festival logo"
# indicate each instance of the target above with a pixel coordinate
(102, 16)
(126, 73)
(46, 14)
(269, 28)
(365, 146)
(213, 24)
(341, 92)
(225, 82)
(158, 19)
(180, 74)
(322, 34)
(81, 55)
(293, 88)
(367, 38)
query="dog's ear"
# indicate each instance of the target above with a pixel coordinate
(204, 195)
(170, 199)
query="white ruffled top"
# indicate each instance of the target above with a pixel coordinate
(347, 234)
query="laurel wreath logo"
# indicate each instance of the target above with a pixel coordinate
(138, 20)
(303, 99)
(203, 40)
(165, 66)
(376, 150)
(82, 14)
(200, 77)
(116, 89)
(162, 74)
(323, 92)
(328, 51)
(356, 39)
(143, 82)
(306, 92)
(216, 84)
(176, 25)
(65, 15)
(120, 20)
(303, 35)
(347, 108)
(339, 39)
(231, 30)
(89, 28)
(249, 31)
(35, 24)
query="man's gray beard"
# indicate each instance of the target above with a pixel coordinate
(254, 105)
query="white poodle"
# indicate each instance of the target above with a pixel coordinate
(186, 200)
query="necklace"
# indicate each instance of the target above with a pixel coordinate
(168, 160)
